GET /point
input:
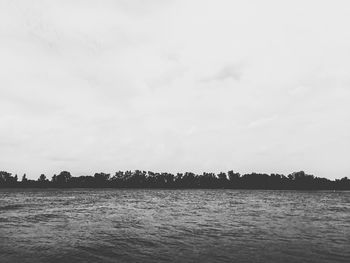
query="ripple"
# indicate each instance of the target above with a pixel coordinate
(174, 226)
(10, 207)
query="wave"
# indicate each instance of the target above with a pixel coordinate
(10, 207)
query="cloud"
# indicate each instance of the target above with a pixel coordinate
(233, 72)
(174, 85)
(261, 122)
(62, 159)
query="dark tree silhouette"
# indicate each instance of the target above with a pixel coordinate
(101, 179)
(42, 178)
(5, 177)
(24, 178)
(63, 178)
(142, 179)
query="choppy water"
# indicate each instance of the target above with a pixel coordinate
(174, 226)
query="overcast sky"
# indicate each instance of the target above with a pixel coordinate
(162, 85)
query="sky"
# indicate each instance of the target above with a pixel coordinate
(175, 85)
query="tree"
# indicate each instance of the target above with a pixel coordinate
(42, 178)
(233, 176)
(24, 178)
(101, 178)
(5, 177)
(63, 177)
(54, 178)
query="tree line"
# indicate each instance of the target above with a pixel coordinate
(142, 179)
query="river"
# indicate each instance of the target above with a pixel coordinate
(132, 225)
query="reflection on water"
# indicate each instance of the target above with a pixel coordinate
(174, 226)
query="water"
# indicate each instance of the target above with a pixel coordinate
(173, 226)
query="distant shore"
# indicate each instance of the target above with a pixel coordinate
(142, 179)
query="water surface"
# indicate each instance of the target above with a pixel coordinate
(89, 225)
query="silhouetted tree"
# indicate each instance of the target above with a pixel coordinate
(42, 178)
(63, 178)
(6, 180)
(222, 179)
(54, 178)
(5, 177)
(138, 178)
(101, 179)
(24, 178)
